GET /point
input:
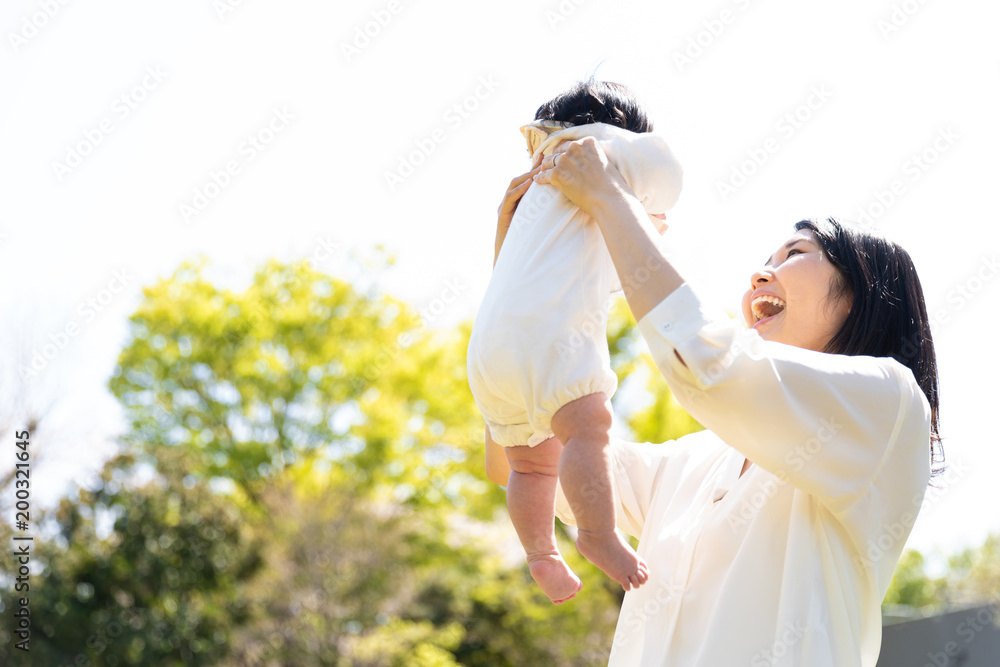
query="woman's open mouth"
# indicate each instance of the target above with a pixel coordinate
(766, 307)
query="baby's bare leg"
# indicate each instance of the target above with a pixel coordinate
(584, 427)
(531, 499)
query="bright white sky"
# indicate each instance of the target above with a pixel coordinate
(885, 80)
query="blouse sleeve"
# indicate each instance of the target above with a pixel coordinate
(825, 423)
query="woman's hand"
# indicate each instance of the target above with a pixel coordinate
(582, 172)
(505, 213)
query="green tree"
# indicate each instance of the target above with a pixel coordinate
(911, 588)
(364, 582)
(159, 589)
(974, 574)
(302, 484)
(972, 578)
(301, 362)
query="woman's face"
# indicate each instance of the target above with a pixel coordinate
(789, 297)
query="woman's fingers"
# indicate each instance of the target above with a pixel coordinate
(515, 191)
(549, 162)
(567, 160)
(581, 171)
(505, 213)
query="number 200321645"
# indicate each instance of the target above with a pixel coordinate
(22, 543)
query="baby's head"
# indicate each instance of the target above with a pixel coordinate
(593, 101)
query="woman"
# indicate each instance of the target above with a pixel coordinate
(771, 537)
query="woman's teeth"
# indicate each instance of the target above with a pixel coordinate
(766, 306)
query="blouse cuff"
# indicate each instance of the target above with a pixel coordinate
(682, 322)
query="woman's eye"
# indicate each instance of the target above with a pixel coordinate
(794, 250)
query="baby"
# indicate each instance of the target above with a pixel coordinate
(539, 342)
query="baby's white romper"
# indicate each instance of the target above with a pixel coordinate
(540, 337)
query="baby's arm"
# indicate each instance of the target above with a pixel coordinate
(647, 165)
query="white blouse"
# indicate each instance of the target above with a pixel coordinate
(788, 564)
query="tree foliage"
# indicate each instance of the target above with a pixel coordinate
(301, 483)
(161, 587)
(302, 363)
(972, 577)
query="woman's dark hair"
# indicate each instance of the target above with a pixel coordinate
(888, 316)
(593, 101)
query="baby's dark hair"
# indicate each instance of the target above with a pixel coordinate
(593, 101)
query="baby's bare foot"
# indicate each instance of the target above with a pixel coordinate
(610, 552)
(554, 577)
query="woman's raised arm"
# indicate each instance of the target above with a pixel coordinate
(828, 424)
(582, 172)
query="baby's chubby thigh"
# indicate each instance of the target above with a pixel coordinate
(541, 459)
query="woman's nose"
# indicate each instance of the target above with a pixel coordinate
(760, 277)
